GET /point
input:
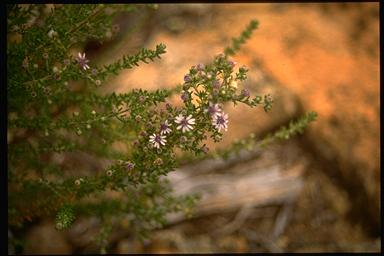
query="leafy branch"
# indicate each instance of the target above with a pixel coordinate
(244, 36)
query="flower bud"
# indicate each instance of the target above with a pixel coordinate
(158, 161)
(138, 118)
(184, 96)
(245, 93)
(59, 225)
(200, 67)
(187, 78)
(47, 91)
(52, 33)
(183, 139)
(77, 182)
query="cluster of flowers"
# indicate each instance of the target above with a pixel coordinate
(186, 123)
(187, 120)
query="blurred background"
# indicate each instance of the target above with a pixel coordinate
(319, 192)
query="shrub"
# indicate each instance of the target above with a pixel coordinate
(55, 111)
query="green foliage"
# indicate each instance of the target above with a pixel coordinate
(237, 42)
(294, 127)
(56, 113)
(64, 217)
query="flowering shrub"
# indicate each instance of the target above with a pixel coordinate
(54, 108)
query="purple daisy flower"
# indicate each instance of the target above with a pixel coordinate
(165, 128)
(220, 121)
(185, 123)
(187, 78)
(213, 109)
(130, 166)
(82, 61)
(157, 140)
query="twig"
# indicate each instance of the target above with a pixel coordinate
(282, 219)
(240, 218)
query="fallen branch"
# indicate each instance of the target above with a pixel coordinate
(223, 193)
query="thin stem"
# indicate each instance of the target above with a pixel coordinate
(113, 114)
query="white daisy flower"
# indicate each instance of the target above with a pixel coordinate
(220, 121)
(82, 61)
(213, 109)
(185, 123)
(165, 128)
(157, 140)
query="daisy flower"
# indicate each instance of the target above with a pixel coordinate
(185, 123)
(187, 78)
(200, 67)
(165, 128)
(245, 93)
(157, 140)
(220, 121)
(82, 61)
(130, 166)
(213, 109)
